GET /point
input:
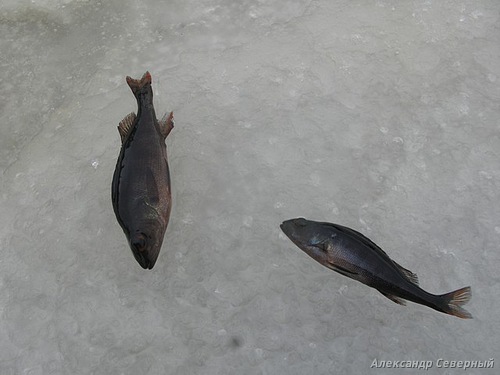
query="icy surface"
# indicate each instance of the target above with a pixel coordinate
(379, 115)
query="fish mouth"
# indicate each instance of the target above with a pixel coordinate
(144, 251)
(288, 228)
(143, 260)
(293, 230)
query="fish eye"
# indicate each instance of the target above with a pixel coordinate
(139, 242)
(301, 222)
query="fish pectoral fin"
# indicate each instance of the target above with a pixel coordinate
(166, 124)
(126, 125)
(342, 271)
(152, 188)
(393, 298)
(410, 276)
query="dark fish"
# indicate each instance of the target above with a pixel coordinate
(353, 255)
(141, 182)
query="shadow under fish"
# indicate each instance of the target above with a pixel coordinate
(351, 254)
(141, 183)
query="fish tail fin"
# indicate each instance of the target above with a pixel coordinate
(453, 301)
(137, 84)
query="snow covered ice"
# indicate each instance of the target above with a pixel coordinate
(378, 115)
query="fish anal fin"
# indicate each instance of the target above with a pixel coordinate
(166, 124)
(410, 276)
(126, 125)
(393, 298)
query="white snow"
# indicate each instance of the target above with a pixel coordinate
(379, 115)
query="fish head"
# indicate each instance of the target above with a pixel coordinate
(146, 244)
(311, 237)
(141, 88)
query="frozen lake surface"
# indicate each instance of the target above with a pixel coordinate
(379, 115)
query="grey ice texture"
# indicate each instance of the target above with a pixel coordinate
(379, 115)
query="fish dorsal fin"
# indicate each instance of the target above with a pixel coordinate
(410, 276)
(126, 125)
(393, 298)
(166, 124)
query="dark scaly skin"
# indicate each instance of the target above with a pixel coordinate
(141, 181)
(351, 254)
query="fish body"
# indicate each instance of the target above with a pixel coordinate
(351, 254)
(141, 182)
